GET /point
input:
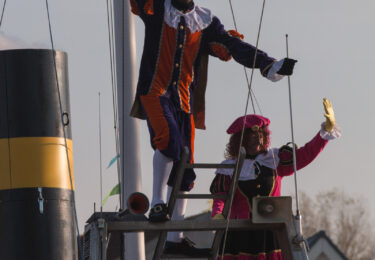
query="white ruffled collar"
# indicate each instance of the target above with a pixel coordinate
(270, 160)
(196, 19)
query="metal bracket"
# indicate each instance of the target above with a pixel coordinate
(41, 200)
(101, 223)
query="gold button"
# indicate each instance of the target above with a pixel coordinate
(174, 83)
(180, 46)
(258, 186)
(177, 65)
(181, 27)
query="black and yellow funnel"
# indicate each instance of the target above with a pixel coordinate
(36, 184)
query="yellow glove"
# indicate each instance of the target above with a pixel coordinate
(329, 115)
(218, 216)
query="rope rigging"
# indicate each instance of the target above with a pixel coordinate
(2, 13)
(80, 250)
(248, 82)
(249, 96)
(112, 58)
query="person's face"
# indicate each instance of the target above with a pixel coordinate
(255, 141)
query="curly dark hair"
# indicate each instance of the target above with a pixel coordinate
(233, 146)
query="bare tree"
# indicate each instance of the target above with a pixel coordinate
(344, 218)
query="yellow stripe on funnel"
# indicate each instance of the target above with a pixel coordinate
(35, 162)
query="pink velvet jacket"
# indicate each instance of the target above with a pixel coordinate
(241, 203)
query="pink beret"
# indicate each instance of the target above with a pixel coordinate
(250, 121)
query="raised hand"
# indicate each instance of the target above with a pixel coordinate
(329, 115)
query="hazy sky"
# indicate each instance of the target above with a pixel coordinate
(333, 41)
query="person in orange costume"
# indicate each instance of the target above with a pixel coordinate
(179, 36)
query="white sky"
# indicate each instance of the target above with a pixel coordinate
(333, 41)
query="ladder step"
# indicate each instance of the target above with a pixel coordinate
(183, 164)
(210, 166)
(202, 196)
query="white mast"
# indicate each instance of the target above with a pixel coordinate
(131, 179)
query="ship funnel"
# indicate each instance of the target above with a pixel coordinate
(138, 203)
(36, 158)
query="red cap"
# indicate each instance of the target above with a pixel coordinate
(250, 122)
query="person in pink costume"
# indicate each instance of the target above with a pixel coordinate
(261, 175)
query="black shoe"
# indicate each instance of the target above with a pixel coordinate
(185, 247)
(159, 213)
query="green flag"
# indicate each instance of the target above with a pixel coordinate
(115, 190)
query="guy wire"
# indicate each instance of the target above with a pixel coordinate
(246, 108)
(113, 81)
(244, 68)
(292, 130)
(65, 141)
(2, 13)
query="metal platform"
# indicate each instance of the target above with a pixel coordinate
(268, 213)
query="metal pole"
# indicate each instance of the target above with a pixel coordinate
(131, 180)
(299, 239)
(292, 131)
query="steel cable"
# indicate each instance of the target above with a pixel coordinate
(113, 82)
(65, 141)
(2, 13)
(246, 108)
